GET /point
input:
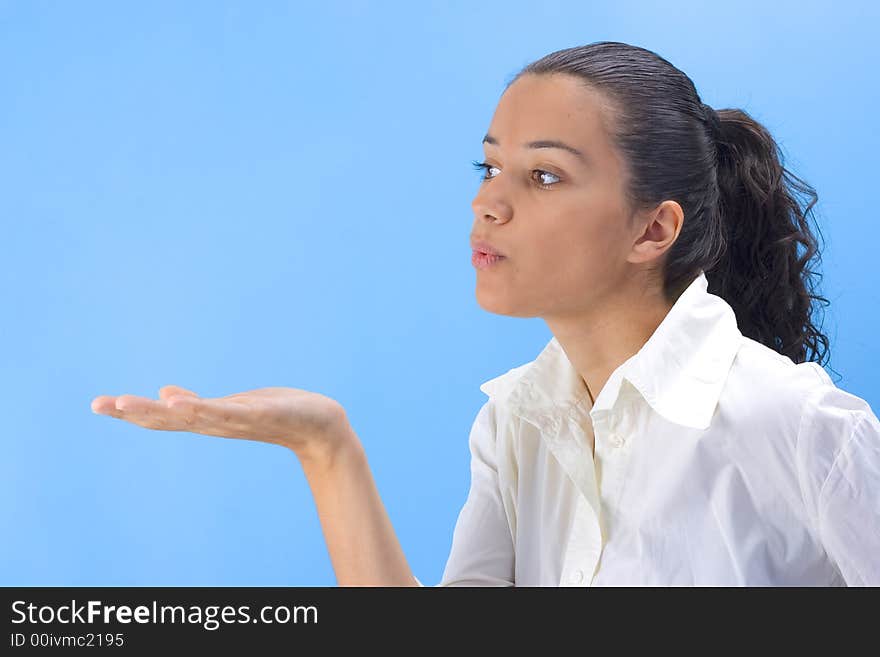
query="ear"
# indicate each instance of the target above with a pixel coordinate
(657, 230)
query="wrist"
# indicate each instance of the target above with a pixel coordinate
(331, 452)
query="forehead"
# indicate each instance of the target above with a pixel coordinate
(551, 107)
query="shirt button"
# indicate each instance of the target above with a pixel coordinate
(575, 576)
(616, 439)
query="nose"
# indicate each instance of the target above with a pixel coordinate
(491, 209)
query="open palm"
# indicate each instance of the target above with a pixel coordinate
(298, 419)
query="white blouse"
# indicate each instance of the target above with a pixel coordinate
(718, 462)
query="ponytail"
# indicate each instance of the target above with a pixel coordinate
(765, 272)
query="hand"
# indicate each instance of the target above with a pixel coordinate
(306, 422)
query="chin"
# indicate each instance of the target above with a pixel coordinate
(492, 304)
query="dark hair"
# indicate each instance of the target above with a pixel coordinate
(745, 223)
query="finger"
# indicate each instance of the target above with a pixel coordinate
(184, 413)
(108, 404)
(181, 413)
(104, 405)
(153, 414)
(166, 392)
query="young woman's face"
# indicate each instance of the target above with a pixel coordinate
(565, 244)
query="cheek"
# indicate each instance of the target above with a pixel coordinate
(574, 262)
(580, 250)
(556, 270)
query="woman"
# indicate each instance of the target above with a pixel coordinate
(674, 431)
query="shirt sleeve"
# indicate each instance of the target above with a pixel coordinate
(482, 550)
(840, 471)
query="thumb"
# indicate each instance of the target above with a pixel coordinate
(166, 392)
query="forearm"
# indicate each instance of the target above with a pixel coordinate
(361, 541)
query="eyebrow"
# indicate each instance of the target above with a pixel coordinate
(543, 143)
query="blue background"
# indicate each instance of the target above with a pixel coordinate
(232, 195)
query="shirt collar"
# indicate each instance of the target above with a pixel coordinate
(680, 371)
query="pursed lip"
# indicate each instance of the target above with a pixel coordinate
(484, 247)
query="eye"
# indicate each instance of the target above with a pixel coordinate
(484, 166)
(545, 173)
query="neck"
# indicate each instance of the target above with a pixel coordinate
(598, 341)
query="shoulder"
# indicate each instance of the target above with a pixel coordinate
(769, 395)
(835, 426)
(796, 409)
(766, 385)
(838, 467)
(767, 367)
(804, 388)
